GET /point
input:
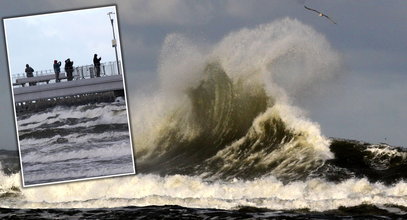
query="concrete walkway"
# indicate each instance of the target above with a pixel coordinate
(76, 87)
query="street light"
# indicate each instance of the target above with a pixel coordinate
(114, 43)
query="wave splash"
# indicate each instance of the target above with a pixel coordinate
(224, 111)
(224, 115)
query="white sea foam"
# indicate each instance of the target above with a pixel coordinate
(187, 191)
(384, 156)
(84, 172)
(50, 143)
(105, 113)
(107, 151)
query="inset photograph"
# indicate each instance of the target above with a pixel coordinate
(69, 94)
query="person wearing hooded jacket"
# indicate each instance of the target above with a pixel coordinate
(69, 69)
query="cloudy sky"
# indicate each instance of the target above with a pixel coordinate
(366, 101)
(77, 35)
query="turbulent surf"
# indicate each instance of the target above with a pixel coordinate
(66, 143)
(223, 132)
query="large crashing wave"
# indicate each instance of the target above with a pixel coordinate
(224, 111)
(219, 116)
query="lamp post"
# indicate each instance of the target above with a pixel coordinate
(114, 43)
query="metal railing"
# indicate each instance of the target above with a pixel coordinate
(80, 72)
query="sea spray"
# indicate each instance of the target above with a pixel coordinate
(211, 96)
(287, 56)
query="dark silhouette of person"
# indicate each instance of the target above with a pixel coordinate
(96, 63)
(69, 69)
(57, 70)
(30, 73)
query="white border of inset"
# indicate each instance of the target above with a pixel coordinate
(124, 87)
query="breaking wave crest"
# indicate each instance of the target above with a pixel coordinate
(224, 111)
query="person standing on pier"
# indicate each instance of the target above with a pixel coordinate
(30, 73)
(96, 63)
(57, 70)
(69, 69)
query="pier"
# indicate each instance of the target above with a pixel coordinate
(84, 88)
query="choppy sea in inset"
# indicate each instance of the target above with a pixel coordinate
(77, 142)
(222, 138)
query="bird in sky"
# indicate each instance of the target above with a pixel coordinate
(320, 14)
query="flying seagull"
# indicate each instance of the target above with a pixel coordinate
(320, 14)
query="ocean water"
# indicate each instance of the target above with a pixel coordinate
(222, 138)
(77, 142)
